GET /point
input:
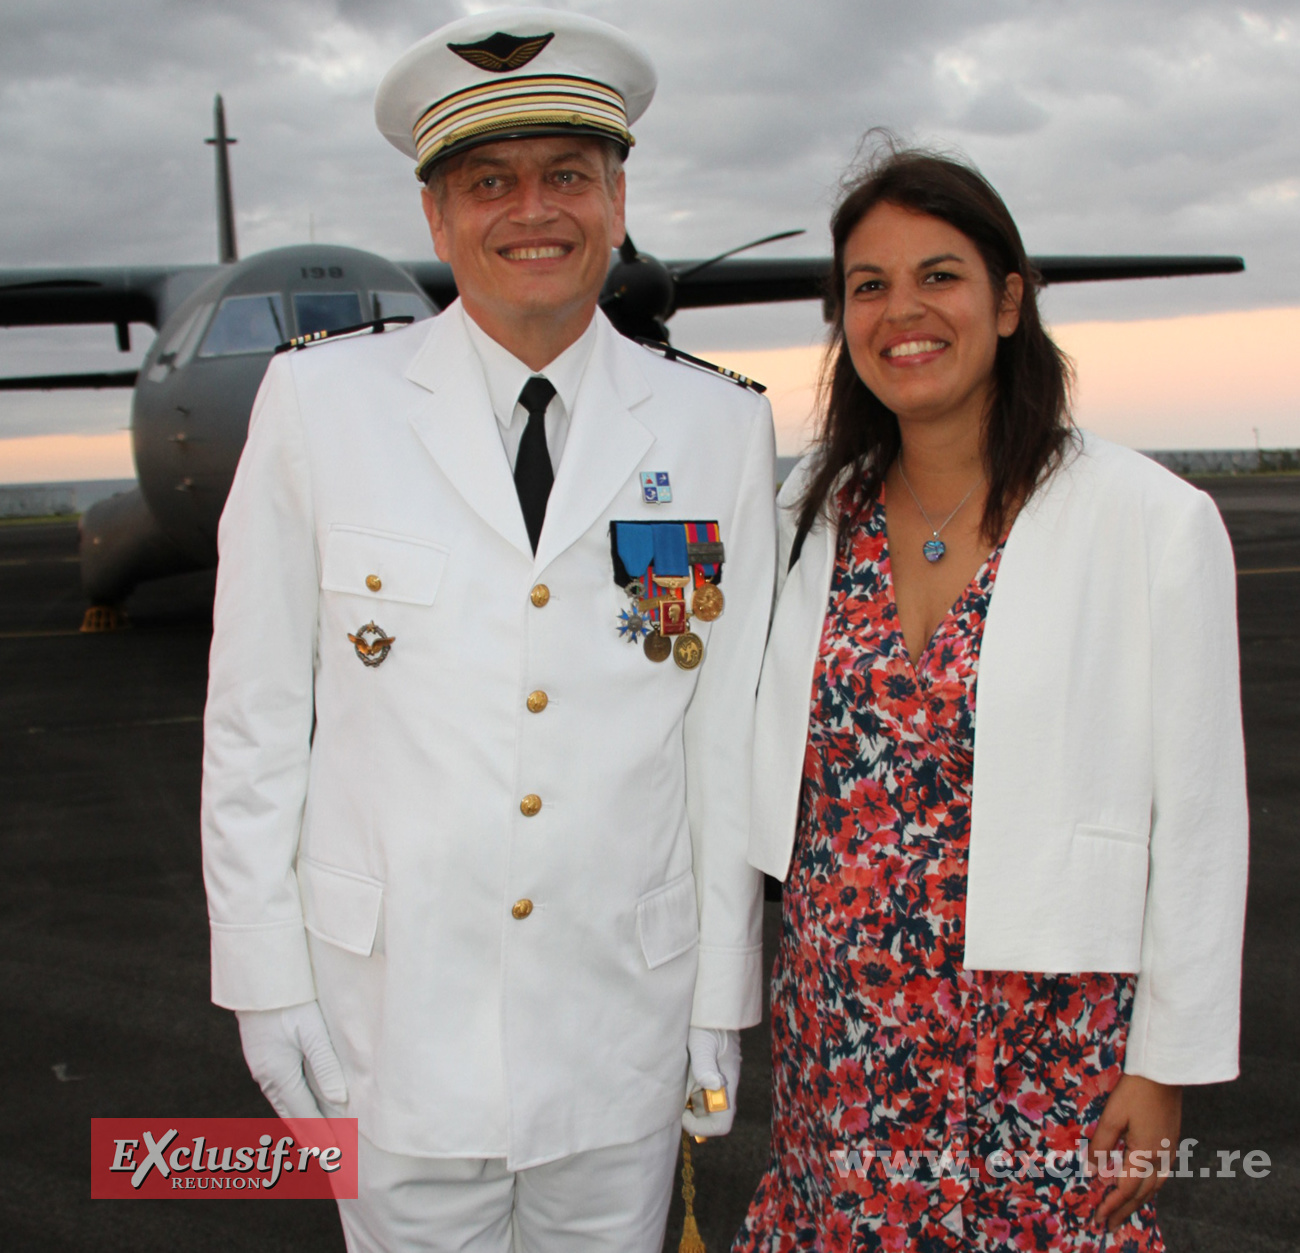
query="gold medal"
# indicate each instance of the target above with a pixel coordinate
(707, 602)
(657, 646)
(688, 651)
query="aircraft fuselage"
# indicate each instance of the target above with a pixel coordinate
(195, 392)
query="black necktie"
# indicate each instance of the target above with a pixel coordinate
(533, 473)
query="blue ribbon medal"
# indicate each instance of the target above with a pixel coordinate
(654, 563)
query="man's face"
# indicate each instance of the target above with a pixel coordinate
(527, 226)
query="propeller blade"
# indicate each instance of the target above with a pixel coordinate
(627, 250)
(731, 252)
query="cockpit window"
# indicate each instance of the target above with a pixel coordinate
(179, 348)
(400, 304)
(326, 310)
(246, 324)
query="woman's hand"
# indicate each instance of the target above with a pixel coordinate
(1142, 1113)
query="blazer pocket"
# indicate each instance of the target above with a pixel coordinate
(667, 921)
(381, 566)
(1109, 869)
(339, 906)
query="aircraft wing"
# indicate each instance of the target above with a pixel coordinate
(119, 295)
(754, 280)
(1093, 269)
(63, 382)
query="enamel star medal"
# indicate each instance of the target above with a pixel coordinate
(633, 625)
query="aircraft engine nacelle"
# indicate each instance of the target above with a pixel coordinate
(122, 545)
(639, 296)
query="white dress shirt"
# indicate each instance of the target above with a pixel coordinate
(506, 375)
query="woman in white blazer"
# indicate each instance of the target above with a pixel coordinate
(1003, 953)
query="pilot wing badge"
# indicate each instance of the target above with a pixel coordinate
(501, 53)
(372, 644)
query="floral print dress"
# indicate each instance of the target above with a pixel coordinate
(898, 1075)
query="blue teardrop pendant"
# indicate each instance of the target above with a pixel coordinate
(934, 549)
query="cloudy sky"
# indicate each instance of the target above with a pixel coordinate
(1164, 126)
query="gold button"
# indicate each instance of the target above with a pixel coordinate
(374, 582)
(521, 909)
(531, 805)
(537, 701)
(540, 595)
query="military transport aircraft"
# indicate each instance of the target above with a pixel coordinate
(218, 326)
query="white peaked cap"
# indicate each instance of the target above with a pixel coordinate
(512, 73)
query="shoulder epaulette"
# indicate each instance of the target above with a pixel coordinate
(377, 327)
(676, 354)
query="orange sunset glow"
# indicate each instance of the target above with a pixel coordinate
(60, 458)
(1194, 382)
(1205, 381)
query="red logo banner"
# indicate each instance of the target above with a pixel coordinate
(269, 1158)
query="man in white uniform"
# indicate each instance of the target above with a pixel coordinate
(491, 607)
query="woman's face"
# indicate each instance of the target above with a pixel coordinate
(921, 317)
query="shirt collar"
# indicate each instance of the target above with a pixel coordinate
(506, 375)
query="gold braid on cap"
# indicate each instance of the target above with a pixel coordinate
(558, 100)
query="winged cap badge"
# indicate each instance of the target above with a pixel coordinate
(500, 53)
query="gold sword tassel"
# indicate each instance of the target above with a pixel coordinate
(692, 1241)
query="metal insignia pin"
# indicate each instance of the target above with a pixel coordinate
(655, 487)
(372, 644)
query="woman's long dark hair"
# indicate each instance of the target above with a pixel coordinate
(1028, 425)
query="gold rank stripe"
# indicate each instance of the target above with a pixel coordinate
(555, 91)
(556, 100)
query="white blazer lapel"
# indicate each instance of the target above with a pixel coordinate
(459, 430)
(781, 723)
(605, 443)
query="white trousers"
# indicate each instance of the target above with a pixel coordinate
(610, 1200)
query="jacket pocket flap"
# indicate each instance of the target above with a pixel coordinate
(667, 921)
(398, 567)
(339, 906)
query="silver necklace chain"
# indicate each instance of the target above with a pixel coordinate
(935, 530)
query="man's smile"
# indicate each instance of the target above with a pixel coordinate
(534, 252)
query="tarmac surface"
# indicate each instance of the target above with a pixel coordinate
(103, 940)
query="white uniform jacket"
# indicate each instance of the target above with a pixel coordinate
(1108, 822)
(364, 842)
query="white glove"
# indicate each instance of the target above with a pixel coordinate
(277, 1043)
(715, 1064)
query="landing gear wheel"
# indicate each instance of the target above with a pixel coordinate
(101, 618)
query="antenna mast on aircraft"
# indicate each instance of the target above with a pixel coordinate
(225, 200)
